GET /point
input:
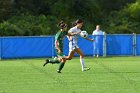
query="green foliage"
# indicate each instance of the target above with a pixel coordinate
(126, 20)
(134, 9)
(39, 17)
(6, 7)
(28, 26)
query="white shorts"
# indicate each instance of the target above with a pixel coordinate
(72, 46)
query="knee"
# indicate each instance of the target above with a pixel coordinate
(82, 55)
(68, 58)
(63, 60)
(60, 60)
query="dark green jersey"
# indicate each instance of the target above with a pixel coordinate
(59, 37)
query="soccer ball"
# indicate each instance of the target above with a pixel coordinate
(84, 34)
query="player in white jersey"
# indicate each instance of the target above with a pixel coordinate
(73, 47)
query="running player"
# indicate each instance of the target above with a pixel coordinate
(59, 46)
(73, 47)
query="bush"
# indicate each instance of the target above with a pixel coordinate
(28, 26)
(126, 20)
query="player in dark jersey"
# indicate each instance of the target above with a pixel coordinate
(59, 46)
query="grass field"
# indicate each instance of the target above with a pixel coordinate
(107, 75)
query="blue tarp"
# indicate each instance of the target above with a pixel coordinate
(27, 47)
(43, 46)
(86, 46)
(119, 44)
(138, 44)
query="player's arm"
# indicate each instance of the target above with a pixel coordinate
(68, 37)
(57, 37)
(72, 34)
(57, 46)
(89, 39)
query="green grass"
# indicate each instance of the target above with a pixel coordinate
(107, 75)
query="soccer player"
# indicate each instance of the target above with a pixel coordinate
(73, 47)
(59, 46)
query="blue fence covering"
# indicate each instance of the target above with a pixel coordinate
(26, 47)
(43, 46)
(119, 44)
(138, 45)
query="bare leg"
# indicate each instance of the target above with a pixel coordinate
(81, 57)
(69, 57)
(84, 68)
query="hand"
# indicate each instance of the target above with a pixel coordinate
(59, 51)
(92, 40)
(77, 33)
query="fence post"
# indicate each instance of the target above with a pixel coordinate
(134, 44)
(93, 45)
(104, 45)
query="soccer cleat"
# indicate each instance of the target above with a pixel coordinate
(85, 69)
(58, 71)
(46, 62)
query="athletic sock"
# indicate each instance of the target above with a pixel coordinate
(61, 66)
(53, 61)
(82, 63)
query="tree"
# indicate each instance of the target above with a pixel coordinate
(6, 7)
(125, 20)
(37, 17)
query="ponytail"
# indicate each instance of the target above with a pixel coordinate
(78, 21)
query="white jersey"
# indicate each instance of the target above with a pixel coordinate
(74, 38)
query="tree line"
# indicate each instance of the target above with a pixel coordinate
(40, 17)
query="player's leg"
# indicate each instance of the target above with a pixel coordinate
(55, 60)
(69, 57)
(71, 51)
(84, 68)
(81, 57)
(62, 60)
(62, 63)
(52, 61)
